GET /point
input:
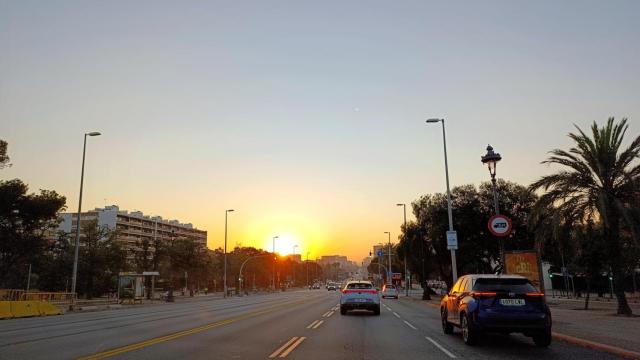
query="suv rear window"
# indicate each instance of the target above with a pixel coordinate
(504, 285)
(359, 286)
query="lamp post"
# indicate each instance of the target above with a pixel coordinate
(307, 268)
(226, 215)
(77, 247)
(389, 270)
(293, 265)
(406, 274)
(491, 159)
(274, 263)
(454, 266)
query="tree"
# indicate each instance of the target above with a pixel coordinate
(24, 220)
(597, 182)
(4, 158)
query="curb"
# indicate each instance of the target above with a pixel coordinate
(628, 354)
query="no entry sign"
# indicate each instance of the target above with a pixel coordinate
(500, 225)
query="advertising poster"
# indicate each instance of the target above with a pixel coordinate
(524, 263)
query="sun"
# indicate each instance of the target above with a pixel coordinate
(285, 244)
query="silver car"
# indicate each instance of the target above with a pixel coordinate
(389, 291)
(359, 295)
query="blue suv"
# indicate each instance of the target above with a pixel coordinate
(496, 303)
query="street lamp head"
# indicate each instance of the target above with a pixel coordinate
(94, 133)
(401, 204)
(491, 159)
(431, 121)
(230, 210)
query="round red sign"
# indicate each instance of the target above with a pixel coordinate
(500, 225)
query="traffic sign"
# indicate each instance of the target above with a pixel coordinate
(500, 225)
(380, 253)
(452, 240)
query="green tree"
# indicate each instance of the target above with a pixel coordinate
(4, 158)
(598, 181)
(24, 221)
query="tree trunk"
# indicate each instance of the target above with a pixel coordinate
(623, 305)
(586, 299)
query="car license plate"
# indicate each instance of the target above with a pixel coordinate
(360, 300)
(512, 302)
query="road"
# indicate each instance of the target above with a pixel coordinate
(296, 325)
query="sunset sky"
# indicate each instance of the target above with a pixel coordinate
(306, 117)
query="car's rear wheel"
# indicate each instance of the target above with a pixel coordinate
(543, 339)
(447, 328)
(376, 310)
(343, 311)
(469, 334)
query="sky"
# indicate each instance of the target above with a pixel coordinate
(306, 117)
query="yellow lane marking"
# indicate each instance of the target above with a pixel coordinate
(292, 347)
(275, 353)
(318, 324)
(325, 314)
(161, 339)
(313, 323)
(330, 313)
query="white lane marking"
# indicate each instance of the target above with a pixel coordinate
(441, 347)
(325, 314)
(295, 345)
(313, 323)
(409, 325)
(330, 313)
(396, 315)
(318, 324)
(275, 353)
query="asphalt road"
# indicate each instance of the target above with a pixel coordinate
(296, 325)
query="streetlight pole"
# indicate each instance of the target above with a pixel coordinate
(406, 274)
(307, 268)
(389, 270)
(77, 247)
(491, 159)
(454, 266)
(274, 263)
(293, 265)
(226, 215)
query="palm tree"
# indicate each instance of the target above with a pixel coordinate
(597, 183)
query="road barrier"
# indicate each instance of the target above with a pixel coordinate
(18, 309)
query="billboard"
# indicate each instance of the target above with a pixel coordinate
(524, 263)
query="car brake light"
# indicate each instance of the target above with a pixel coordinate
(482, 294)
(535, 294)
(371, 291)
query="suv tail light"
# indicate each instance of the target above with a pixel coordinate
(535, 294)
(482, 294)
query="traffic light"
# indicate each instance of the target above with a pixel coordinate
(550, 276)
(610, 277)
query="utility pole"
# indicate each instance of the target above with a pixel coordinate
(226, 213)
(389, 269)
(407, 279)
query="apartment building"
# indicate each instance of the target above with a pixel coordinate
(134, 226)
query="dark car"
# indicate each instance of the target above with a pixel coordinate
(496, 303)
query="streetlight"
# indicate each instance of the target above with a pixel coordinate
(491, 159)
(226, 214)
(307, 268)
(77, 247)
(389, 270)
(274, 263)
(293, 265)
(406, 274)
(454, 266)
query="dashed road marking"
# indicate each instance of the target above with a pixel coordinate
(396, 315)
(325, 314)
(277, 352)
(449, 354)
(409, 325)
(329, 313)
(318, 324)
(313, 323)
(292, 347)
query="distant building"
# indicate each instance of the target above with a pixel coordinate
(133, 227)
(332, 259)
(296, 257)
